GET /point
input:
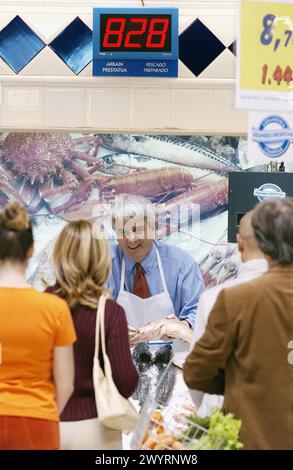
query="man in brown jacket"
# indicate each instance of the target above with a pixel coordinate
(244, 352)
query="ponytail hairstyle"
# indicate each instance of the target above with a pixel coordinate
(16, 235)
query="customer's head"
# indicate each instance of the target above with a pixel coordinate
(81, 264)
(16, 235)
(272, 223)
(247, 244)
(134, 224)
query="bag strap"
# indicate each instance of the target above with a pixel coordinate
(102, 325)
(100, 331)
(100, 321)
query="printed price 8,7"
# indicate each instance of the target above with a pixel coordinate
(269, 23)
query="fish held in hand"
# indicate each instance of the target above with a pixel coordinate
(166, 328)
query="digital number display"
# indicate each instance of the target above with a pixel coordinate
(126, 33)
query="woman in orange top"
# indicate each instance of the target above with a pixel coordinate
(36, 336)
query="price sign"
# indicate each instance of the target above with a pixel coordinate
(135, 42)
(265, 55)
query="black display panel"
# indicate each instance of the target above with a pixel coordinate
(135, 32)
(246, 189)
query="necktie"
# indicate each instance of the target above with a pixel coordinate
(140, 285)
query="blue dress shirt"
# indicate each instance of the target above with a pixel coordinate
(183, 277)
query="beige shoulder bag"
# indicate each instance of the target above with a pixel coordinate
(114, 411)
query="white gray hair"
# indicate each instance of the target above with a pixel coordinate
(128, 206)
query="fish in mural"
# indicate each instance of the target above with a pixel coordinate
(221, 264)
(217, 255)
(119, 163)
(229, 268)
(46, 228)
(222, 145)
(40, 273)
(172, 149)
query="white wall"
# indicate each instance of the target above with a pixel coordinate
(47, 94)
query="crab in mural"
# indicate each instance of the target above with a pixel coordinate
(33, 166)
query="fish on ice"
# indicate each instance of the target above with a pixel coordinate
(169, 148)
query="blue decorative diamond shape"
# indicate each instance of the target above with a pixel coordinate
(74, 45)
(19, 44)
(232, 48)
(198, 47)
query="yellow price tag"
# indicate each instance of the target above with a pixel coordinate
(266, 46)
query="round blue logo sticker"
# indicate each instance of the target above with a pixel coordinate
(273, 136)
(268, 191)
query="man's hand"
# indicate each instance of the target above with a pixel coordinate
(186, 323)
(133, 334)
(177, 329)
(168, 328)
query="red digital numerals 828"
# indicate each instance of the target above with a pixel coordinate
(156, 36)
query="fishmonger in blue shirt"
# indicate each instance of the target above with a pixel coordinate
(150, 279)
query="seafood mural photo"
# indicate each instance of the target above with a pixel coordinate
(61, 177)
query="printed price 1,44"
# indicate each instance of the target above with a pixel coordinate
(278, 75)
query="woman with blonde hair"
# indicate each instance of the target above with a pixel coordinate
(81, 264)
(36, 336)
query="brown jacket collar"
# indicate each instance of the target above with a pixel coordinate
(281, 268)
